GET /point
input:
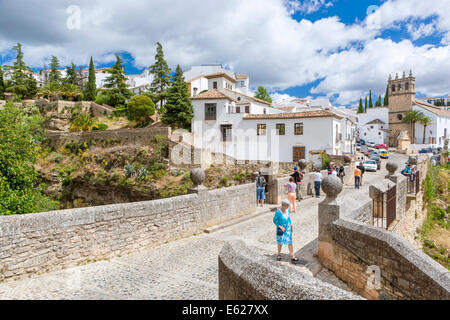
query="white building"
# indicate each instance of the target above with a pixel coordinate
(228, 120)
(373, 125)
(438, 130)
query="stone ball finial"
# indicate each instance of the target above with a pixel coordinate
(302, 164)
(412, 160)
(332, 186)
(391, 168)
(347, 159)
(198, 176)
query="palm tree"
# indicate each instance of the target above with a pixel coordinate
(83, 122)
(51, 90)
(425, 121)
(412, 117)
(70, 91)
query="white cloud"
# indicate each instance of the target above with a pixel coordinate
(259, 39)
(422, 30)
(281, 97)
(307, 6)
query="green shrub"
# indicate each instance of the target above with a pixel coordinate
(325, 160)
(100, 126)
(130, 170)
(140, 107)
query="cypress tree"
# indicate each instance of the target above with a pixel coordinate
(91, 86)
(55, 75)
(379, 101)
(365, 105)
(386, 98)
(360, 108)
(370, 100)
(2, 85)
(117, 89)
(178, 108)
(161, 78)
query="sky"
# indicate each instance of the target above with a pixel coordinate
(338, 49)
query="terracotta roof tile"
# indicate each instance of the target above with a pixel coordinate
(211, 94)
(432, 108)
(294, 115)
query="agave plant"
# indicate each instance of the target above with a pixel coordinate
(130, 170)
(143, 172)
(83, 122)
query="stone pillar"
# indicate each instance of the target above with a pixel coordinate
(402, 188)
(198, 176)
(328, 213)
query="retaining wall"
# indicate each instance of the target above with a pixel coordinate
(141, 136)
(41, 242)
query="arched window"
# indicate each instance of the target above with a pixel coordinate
(407, 86)
(399, 117)
(393, 88)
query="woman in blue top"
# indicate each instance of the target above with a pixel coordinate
(282, 220)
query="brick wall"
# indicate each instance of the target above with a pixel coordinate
(41, 242)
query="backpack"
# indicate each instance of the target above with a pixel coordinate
(261, 182)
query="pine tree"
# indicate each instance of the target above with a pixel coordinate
(2, 85)
(370, 100)
(22, 82)
(365, 105)
(116, 86)
(262, 94)
(71, 75)
(360, 108)
(386, 98)
(178, 108)
(91, 86)
(55, 74)
(161, 78)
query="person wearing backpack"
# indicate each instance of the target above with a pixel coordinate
(342, 173)
(260, 189)
(298, 177)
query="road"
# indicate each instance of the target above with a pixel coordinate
(182, 269)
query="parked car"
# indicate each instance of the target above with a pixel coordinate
(362, 141)
(370, 144)
(377, 159)
(381, 146)
(426, 150)
(384, 154)
(370, 165)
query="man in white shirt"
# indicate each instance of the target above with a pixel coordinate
(317, 182)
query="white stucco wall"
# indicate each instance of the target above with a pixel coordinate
(436, 129)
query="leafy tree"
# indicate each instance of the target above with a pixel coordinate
(161, 75)
(425, 121)
(2, 85)
(55, 74)
(370, 100)
(70, 91)
(178, 109)
(22, 82)
(20, 140)
(117, 89)
(360, 108)
(412, 117)
(140, 107)
(83, 122)
(71, 74)
(386, 98)
(91, 86)
(262, 94)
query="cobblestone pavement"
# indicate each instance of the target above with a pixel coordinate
(182, 269)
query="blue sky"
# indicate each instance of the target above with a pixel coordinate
(294, 48)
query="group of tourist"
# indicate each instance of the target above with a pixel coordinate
(282, 218)
(358, 174)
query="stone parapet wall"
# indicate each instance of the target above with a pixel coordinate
(142, 136)
(246, 274)
(42, 242)
(406, 272)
